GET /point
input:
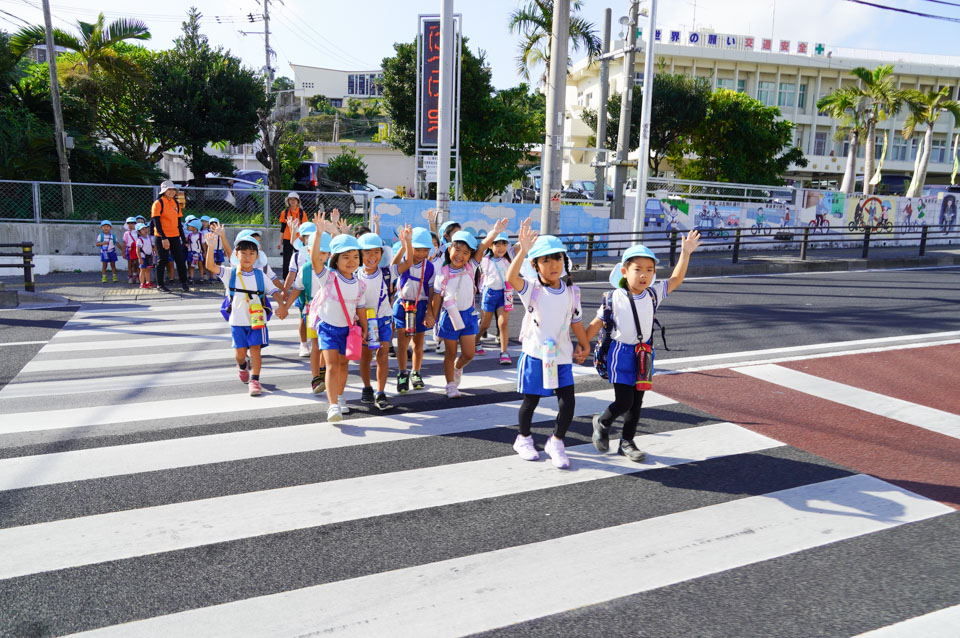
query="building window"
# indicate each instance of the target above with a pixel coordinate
(725, 83)
(307, 85)
(589, 95)
(787, 93)
(638, 78)
(802, 97)
(914, 147)
(820, 143)
(741, 86)
(938, 151)
(336, 103)
(351, 84)
(765, 92)
(898, 150)
(877, 146)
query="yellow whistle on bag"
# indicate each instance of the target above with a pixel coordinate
(257, 318)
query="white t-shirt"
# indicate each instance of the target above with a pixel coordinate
(409, 290)
(145, 245)
(193, 242)
(377, 295)
(331, 313)
(269, 273)
(109, 238)
(459, 284)
(294, 262)
(494, 272)
(624, 329)
(240, 314)
(551, 318)
(130, 238)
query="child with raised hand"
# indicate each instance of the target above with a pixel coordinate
(337, 306)
(631, 307)
(455, 299)
(379, 320)
(545, 365)
(246, 307)
(415, 277)
(107, 243)
(130, 249)
(496, 298)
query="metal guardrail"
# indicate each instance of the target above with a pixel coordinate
(26, 253)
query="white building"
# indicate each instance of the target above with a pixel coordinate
(790, 75)
(335, 85)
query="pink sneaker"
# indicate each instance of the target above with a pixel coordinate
(255, 388)
(524, 447)
(505, 359)
(557, 452)
(480, 350)
(457, 375)
(244, 374)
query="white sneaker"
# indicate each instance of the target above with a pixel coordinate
(344, 408)
(334, 414)
(524, 447)
(304, 349)
(457, 375)
(438, 347)
(557, 452)
(452, 392)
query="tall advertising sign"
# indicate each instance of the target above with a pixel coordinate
(430, 83)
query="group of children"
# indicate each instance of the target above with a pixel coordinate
(139, 249)
(355, 293)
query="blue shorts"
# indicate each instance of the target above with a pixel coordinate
(491, 300)
(400, 317)
(471, 325)
(108, 257)
(385, 328)
(245, 336)
(193, 258)
(530, 376)
(622, 363)
(332, 337)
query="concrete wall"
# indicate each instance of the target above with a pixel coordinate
(386, 167)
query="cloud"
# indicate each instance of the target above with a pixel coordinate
(388, 209)
(497, 212)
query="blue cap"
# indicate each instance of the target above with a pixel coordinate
(305, 230)
(546, 245)
(261, 256)
(139, 227)
(244, 234)
(213, 220)
(370, 241)
(343, 243)
(444, 227)
(465, 237)
(241, 237)
(141, 217)
(396, 247)
(616, 277)
(325, 240)
(422, 238)
(131, 220)
(502, 237)
(189, 218)
(195, 224)
(205, 218)
(107, 222)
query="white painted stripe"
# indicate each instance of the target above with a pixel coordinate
(130, 320)
(872, 402)
(83, 541)
(144, 359)
(81, 465)
(126, 342)
(482, 592)
(944, 623)
(124, 308)
(217, 323)
(21, 343)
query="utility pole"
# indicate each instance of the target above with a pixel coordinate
(643, 152)
(336, 126)
(57, 112)
(268, 70)
(556, 99)
(601, 160)
(626, 108)
(444, 134)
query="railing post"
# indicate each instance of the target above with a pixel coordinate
(35, 191)
(736, 246)
(673, 247)
(27, 248)
(923, 240)
(866, 243)
(589, 251)
(803, 246)
(266, 209)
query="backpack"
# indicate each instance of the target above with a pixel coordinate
(227, 306)
(113, 238)
(530, 320)
(426, 274)
(445, 277)
(329, 290)
(604, 338)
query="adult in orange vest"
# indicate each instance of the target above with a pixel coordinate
(165, 220)
(290, 220)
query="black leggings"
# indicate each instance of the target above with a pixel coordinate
(567, 400)
(627, 402)
(175, 251)
(287, 255)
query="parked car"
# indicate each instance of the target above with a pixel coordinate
(586, 186)
(372, 191)
(246, 187)
(312, 176)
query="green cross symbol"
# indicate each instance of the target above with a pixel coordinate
(819, 49)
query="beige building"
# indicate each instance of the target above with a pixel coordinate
(793, 80)
(335, 85)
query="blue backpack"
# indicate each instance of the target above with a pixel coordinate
(227, 306)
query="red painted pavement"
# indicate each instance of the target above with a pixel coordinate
(921, 461)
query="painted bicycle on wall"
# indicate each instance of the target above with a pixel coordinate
(876, 224)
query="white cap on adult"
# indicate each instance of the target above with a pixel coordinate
(167, 186)
(292, 195)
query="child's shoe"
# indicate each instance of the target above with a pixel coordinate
(601, 435)
(129, 279)
(319, 383)
(416, 380)
(342, 404)
(366, 395)
(304, 349)
(403, 382)
(557, 452)
(244, 374)
(115, 280)
(452, 392)
(333, 413)
(480, 350)
(255, 388)
(382, 403)
(524, 447)
(630, 450)
(103, 279)
(505, 359)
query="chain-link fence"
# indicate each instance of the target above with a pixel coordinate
(680, 188)
(240, 204)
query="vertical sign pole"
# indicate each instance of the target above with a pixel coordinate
(643, 156)
(446, 110)
(556, 99)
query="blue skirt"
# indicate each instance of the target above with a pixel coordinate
(332, 337)
(400, 317)
(491, 300)
(622, 363)
(530, 376)
(471, 325)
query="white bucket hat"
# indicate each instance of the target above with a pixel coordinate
(166, 186)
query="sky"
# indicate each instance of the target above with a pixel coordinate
(357, 35)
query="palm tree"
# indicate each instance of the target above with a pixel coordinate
(534, 23)
(95, 46)
(848, 106)
(883, 100)
(925, 109)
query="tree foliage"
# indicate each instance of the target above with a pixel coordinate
(925, 110)
(741, 140)
(497, 128)
(534, 23)
(347, 167)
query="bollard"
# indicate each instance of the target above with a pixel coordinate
(673, 247)
(803, 246)
(590, 251)
(866, 242)
(736, 246)
(923, 240)
(28, 266)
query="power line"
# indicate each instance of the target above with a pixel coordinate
(15, 18)
(332, 46)
(907, 11)
(952, 4)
